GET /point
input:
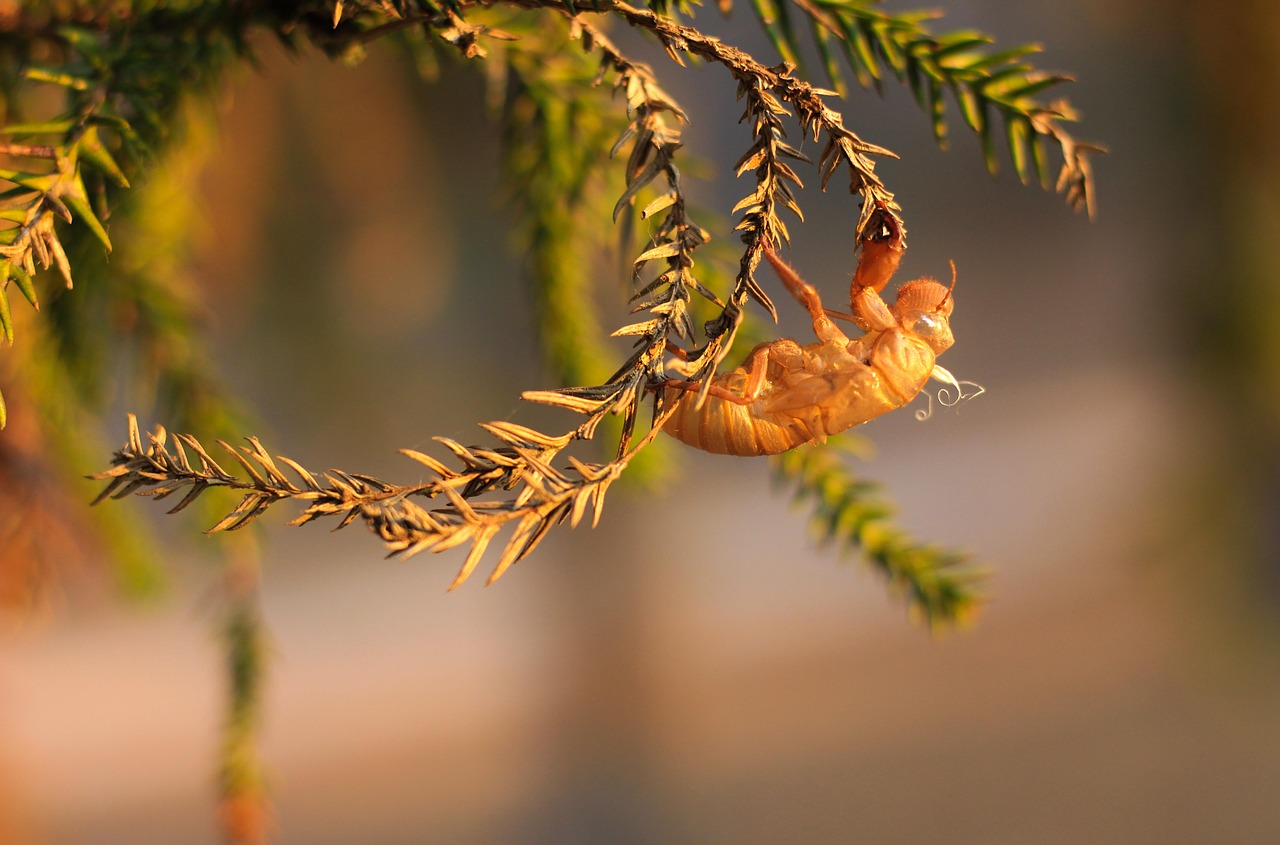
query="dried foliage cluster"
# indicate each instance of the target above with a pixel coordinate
(115, 108)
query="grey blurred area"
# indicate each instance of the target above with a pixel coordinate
(697, 670)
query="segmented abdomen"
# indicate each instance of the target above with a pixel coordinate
(808, 394)
(727, 428)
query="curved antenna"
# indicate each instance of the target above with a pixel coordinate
(953, 284)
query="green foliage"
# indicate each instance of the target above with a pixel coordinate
(983, 82)
(557, 129)
(939, 585)
(102, 135)
(120, 82)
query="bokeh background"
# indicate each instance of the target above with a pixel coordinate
(696, 670)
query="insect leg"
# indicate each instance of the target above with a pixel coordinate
(826, 330)
(870, 313)
(756, 368)
(678, 351)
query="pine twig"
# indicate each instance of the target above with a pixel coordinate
(547, 496)
(985, 84)
(940, 586)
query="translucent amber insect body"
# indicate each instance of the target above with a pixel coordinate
(785, 395)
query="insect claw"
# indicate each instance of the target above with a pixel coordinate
(882, 249)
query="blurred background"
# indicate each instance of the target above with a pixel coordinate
(1118, 479)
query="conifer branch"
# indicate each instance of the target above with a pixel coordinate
(988, 86)
(545, 495)
(762, 88)
(940, 586)
(121, 87)
(527, 482)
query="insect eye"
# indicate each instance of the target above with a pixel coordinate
(926, 325)
(931, 327)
